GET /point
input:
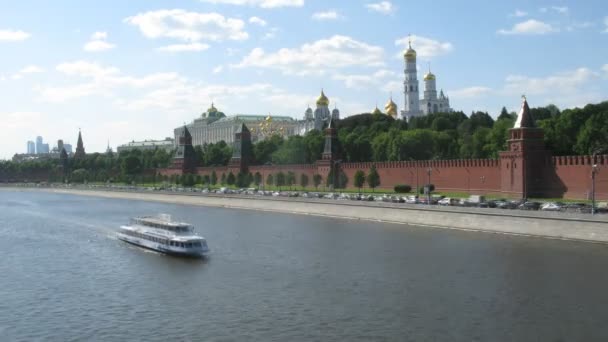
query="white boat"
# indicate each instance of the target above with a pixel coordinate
(160, 233)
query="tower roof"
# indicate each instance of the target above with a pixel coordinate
(186, 132)
(409, 53)
(524, 119)
(322, 100)
(391, 108)
(242, 128)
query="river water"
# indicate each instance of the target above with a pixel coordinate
(65, 277)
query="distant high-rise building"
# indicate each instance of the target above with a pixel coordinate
(38, 144)
(68, 148)
(59, 145)
(45, 149)
(31, 147)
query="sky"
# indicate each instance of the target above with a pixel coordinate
(134, 70)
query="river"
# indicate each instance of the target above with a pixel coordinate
(65, 277)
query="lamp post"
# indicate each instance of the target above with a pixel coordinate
(428, 187)
(593, 172)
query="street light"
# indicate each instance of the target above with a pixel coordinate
(428, 187)
(593, 172)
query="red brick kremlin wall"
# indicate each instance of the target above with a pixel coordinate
(568, 177)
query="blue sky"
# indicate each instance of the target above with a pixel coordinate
(124, 70)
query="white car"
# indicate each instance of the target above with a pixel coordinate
(551, 207)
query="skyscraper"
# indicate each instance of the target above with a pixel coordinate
(39, 145)
(31, 147)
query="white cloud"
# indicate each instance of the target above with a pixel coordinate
(86, 69)
(271, 34)
(98, 43)
(13, 36)
(188, 26)
(20, 119)
(98, 46)
(425, 47)
(559, 83)
(529, 27)
(384, 7)
(31, 69)
(184, 47)
(605, 68)
(257, 21)
(606, 24)
(519, 14)
(327, 15)
(376, 79)
(260, 3)
(99, 36)
(561, 10)
(470, 92)
(218, 69)
(557, 9)
(317, 57)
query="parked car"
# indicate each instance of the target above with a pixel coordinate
(551, 206)
(445, 201)
(529, 206)
(507, 204)
(573, 207)
(412, 200)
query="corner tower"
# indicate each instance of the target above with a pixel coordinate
(411, 105)
(523, 165)
(79, 154)
(185, 157)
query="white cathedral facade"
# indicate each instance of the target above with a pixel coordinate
(430, 102)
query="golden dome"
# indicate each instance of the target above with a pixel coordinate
(410, 53)
(212, 109)
(391, 108)
(429, 76)
(376, 111)
(322, 100)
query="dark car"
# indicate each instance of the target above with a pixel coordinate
(529, 206)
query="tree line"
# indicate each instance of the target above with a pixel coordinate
(363, 138)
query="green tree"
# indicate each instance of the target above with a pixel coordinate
(206, 180)
(213, 177)
(303, 180)
(131, 165)
(317, 179)
(223, 179)
(188, 180)
(373, 178)
(80, 176)
(230, 179)
(280, 180)
(359, 180)
(290, 179)
(257, 178)
(270, 180)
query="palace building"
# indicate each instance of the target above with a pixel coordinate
(214, 126)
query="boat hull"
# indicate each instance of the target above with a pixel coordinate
(193, 253)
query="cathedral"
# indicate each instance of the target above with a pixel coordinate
(430, 102)
(318, 118)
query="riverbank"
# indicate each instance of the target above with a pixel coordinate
(547, 225)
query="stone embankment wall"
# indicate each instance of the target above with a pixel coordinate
(541, 224)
